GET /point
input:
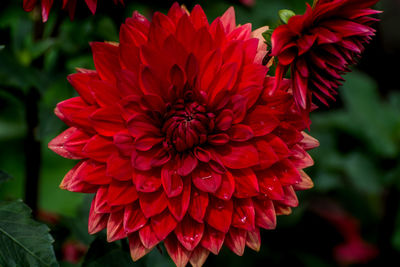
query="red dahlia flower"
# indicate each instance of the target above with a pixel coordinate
(67, 4)
(181, 139)
(319, 46)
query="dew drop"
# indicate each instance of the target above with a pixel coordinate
(206, 177)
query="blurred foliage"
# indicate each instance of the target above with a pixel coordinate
(357, 165)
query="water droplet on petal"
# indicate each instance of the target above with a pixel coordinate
(206, 177)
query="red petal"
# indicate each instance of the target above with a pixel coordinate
(228, 20)
(300, 158)
(121, 193)
(119, 167)
(148, 237)
(93, 173)
(306, 182)
(72, 181)
(227, 187)
(243, 214)
(290, 198)
(75, 112)
(205, 179)
(212, 240)
(246, 183)
(148, 181)
(103, 92)
(136, 247)
(266, 154)
(265, 214)
(219, 214)
(260, 121)
(92, 5)
(29, 5)
(186, 164)
(218, 139)
(287, 173)
(270, 185)
(171, 181)
(253, 239)
(107, 121)
(46, 6)
(179, 205)
(163, 224)
(106, 60)
(224, 120)
(240, 133)
(124, 142)
(97, 221)
(210, 65)
(99, 148)
(198, 17)
(236, 241)
(133, 218)
(308, 142)
(115, 226)
(176, 251)
(127, 81)
(199, 256)
(198, 205)
(202, 154)
(80, 83)
(189, 233)
(152, 203)
(69, 143)
(100, 202)
(238, 156)
(142, 125)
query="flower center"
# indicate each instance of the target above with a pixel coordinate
(186, 124)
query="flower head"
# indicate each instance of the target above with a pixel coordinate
(181, 139)
(319, 46)
(70, 5)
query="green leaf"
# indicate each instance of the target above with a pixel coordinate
(285, 15)
(377, 121)
(267, 36)
(4, 176)
(362, 173)
(23, 241)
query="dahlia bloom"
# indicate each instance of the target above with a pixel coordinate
(70, 5)
(181, 139)
(319, 46)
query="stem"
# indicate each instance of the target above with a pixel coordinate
(33, 153)
(314, 3)
(32, 150)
